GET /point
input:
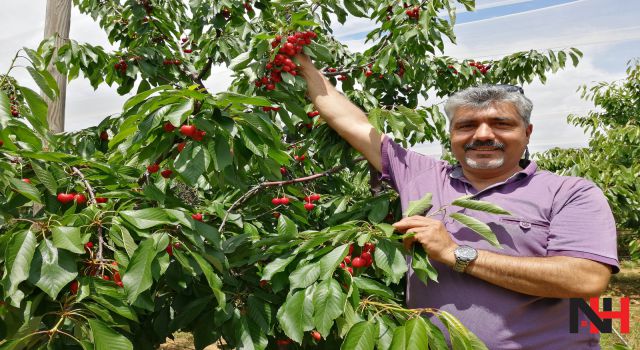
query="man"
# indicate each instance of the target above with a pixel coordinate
(559, 242)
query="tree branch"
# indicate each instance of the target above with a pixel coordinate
(256, 189)
(92, 200)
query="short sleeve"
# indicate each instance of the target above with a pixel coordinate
(582, 225)
(400, 166)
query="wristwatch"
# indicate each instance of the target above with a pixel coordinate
(464, 256)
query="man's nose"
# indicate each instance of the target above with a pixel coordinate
(484, 132)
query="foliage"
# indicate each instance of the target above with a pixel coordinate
(98, 249)
(611, 159)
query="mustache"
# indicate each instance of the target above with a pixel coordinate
(489, 143)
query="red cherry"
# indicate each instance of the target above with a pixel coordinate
(120, 284)
(181, 146)
(188, 130)
(106, 278)
(168, 127)
(367, 257)
(104, 136)
(1, 143)
(283, 341)
(275, 201)
(284, 201)
(358, 262)
(350, 270)
(368, 73)
(315, 197)
(316, 335)
(197, 216)
(187, 51)
(74, 287)
(101, 200)
(26, 181)
(263, 283)
(169, 250)
(307, 199)
(80, 198)
(347, 259)
(88, 245)
(65, 198)
(271, 87)
(153, 168)
(309, 206)
(369, 247)
(351, 249)
(283, 170)
(276, 214)
(199, 135)
(342, 266)
(166, 173)
(116, 277)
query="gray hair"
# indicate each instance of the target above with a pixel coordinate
(483, 96)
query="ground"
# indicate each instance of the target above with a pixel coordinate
(625, 283)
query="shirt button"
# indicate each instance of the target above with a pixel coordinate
(525, 225)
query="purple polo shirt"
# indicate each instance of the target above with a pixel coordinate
(552, 215)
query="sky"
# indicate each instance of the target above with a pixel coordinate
(607, 32)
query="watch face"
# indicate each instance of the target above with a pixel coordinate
(466, 253)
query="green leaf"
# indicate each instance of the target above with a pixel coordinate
(473, 204)
(146, 218)
(304, 276)
(143, 96)
(138, 277)
(46, 178)
(52, 269)
(234, 98)
(478, 226)
(461, 338)
(28, 190)
(374, 287)
(192, 163)
(17, 262)
(421, 265)
(411, 336)
(420, 206)
(330, 262)
(38, 116)
(106, 338)
(68, 238)
(328, 304)
(215, 283)
(277, 265)
(240, 62)
(42, 82)
(389, 258)
(295, 314)
(286, 227)
(362, 336)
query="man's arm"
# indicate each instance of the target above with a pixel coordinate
(552, 277)
(349, 121)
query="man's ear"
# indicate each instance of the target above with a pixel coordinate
(529, 130)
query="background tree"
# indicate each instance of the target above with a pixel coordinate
(611, 159)
(238, 216)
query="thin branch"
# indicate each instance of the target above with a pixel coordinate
(92, 200)
(256, 189)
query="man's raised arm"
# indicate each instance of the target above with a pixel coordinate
(349, 121)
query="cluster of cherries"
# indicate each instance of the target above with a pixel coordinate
(168, 62)
(154, 168)
(121, 66)
(109, 272)
(79, 198)
(413, 12)
(309, 199)
(171, 246)
(14, 106)
(364, 260)
(283, 60)
(480, 67)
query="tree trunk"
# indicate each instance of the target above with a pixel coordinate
(58, 21)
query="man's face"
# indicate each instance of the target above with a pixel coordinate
(489, 140)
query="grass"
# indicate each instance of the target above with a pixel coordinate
(625, 283)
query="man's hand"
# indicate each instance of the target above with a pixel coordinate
(433, 236)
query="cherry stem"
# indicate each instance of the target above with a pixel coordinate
(256, 189)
